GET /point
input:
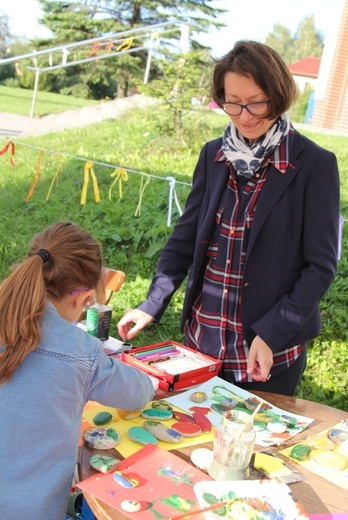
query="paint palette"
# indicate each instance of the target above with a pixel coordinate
(249, 499)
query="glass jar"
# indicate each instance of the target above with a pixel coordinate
(234, 441)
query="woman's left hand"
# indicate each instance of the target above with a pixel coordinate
(260, 360)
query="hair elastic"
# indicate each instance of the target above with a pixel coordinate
(45, 255)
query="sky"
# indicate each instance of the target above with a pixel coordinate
(250, 19)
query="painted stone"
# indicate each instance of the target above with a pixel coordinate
(157, 415)
(202, 458)
(161, 404)
(219, 408)
(300, 451)
(124, 480)
(139, 434)
(128, 414)
(229, 402)
(252, 403)
(102, 418)
(131, 506)
(101, 438)
(181, 416)
(103, 463)
(338, 436)
(161, 432)
(202, 421)
(277, 426)
(187, 429)
(198, 397)
(329, 459)
(319, 442)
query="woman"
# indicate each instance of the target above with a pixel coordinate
(50, 368)
(259, 234)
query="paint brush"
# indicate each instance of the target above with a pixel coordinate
(189, 514)
(251, 418)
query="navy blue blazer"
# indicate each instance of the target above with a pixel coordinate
(292, 251)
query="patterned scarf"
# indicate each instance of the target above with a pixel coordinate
(246, 158)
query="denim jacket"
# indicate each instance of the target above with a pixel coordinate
(41, 410)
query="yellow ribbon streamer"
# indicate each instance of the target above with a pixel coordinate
(141, 193)
(35, 178)
(125, 45)
(120, 175)
(89, 169)
(55, 176)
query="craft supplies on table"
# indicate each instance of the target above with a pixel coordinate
(129, 446)
(222, 395)
(175, 365)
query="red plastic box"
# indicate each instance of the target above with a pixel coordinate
(174, 365)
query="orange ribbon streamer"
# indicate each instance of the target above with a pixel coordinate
(35, 178)
(89, 169)
(94, 50)
(5, 149)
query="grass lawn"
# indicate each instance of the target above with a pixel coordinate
(19, 101)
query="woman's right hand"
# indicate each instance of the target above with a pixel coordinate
(137, 317)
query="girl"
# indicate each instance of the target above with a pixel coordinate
(49, 369)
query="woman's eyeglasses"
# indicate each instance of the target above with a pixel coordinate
(91, 300)
(258, 108)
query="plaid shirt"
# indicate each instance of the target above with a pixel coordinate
(215, 322)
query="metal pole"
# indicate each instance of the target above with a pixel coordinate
(148, 65)
(145, 29)
(37, 74)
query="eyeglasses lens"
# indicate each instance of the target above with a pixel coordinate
(255, 109)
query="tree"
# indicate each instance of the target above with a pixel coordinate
(78, 20)
(307, 41)
(4, 33)
(6, 71)
(280, 40)
(180, 80)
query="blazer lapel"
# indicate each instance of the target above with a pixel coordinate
(275, 185)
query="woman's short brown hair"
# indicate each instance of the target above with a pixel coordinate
(265, 66)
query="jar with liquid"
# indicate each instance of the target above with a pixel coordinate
(234, 441)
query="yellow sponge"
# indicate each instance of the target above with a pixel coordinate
(272, 466)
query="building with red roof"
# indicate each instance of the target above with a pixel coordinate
(305, 72)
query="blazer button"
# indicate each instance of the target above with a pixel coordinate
(246, 284)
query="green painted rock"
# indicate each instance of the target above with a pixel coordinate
(103, 463)
(300, 451)
(139, 434)
(102, 418)
(157, 414)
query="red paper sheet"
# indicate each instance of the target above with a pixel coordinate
(166, 485)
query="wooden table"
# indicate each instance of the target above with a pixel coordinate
(316, 494)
